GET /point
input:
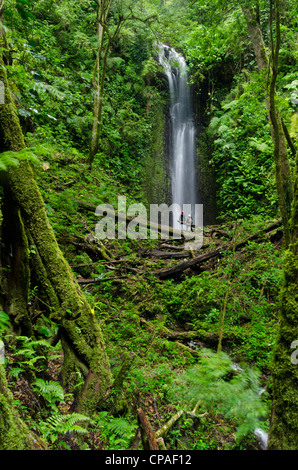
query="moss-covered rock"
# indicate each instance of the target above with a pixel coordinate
(156, 165)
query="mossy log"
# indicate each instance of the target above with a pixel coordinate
(163, 230)
(169, 424)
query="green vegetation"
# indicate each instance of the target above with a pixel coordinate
(91, 332)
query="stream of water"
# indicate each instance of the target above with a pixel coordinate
(182, 133)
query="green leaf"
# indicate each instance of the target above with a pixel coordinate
(5, 323)
(11, 158)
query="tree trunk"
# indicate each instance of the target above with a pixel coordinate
(15, 261)
(98, 90)
(77, 325)
(99, 74)
(14, 433)
(269, 71)
(283, 433)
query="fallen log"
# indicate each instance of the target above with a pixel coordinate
(172, 247)
(147, 433)
(178, 269)
(154, 253)
(166, 254)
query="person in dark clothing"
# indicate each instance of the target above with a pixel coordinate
(181, 220)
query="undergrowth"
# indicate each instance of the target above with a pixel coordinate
(137, 312)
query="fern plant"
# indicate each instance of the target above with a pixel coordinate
(10, 158)
(5, 323)
(32, 355)
(215, 384)
(117, 432)
(57, 426)
(51, 391)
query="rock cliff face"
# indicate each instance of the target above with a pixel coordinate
(157, 184)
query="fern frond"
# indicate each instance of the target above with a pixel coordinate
(117, 431)
(5, 323)
(10, 158)
(57, 425)
(213, 383)
(42, 87)
(120, 426)
(50, 390)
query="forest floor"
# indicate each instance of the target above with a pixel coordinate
(165, 322)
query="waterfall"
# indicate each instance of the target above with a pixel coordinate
(182, 133)
(262, 437)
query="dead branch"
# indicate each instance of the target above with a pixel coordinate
(114, 395)
(161, 443)
(166, 254)
(100, 279)
(136, 440)
(166, 427)
(91, 238)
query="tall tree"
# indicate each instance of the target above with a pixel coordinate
(283, 433)
(268, 67)
(104, 40)
(25, 223)
(107, 33)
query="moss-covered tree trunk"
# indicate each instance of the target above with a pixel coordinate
(269, 69)
(283, 433)
(98, 80)
(79, 330)
(14, 434)
(105, 40)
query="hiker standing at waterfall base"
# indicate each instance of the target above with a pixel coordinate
(189, 222)
(182, 220)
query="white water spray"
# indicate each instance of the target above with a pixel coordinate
(182, 131)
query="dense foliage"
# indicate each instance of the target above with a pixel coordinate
(50, 59)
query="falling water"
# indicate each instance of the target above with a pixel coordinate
(182, 133)
(262, 437)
